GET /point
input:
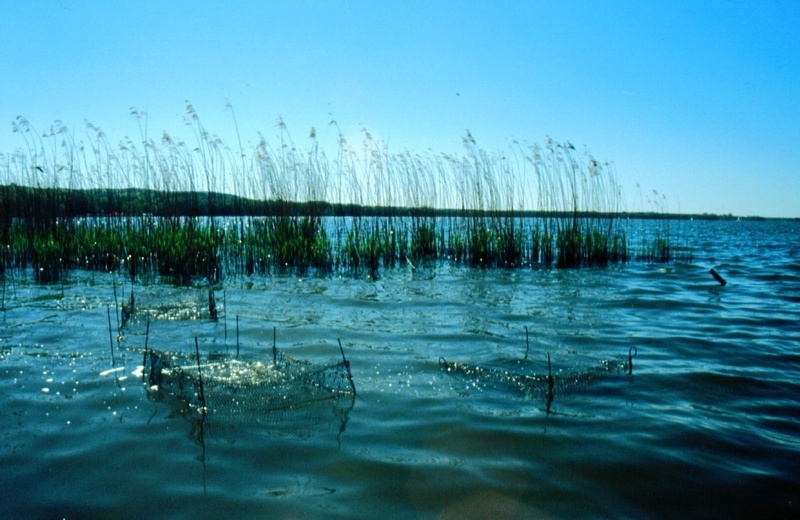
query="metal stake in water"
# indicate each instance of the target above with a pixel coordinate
(200, 377)
(527, 345)
(144, 357)
(631, 354)
(274, 347)
(111, 337)
(549, 384)
(347, 366)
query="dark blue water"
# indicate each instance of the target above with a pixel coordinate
(707, 424)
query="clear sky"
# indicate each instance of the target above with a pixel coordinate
(697, 99)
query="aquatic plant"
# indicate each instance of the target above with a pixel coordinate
(183, 210)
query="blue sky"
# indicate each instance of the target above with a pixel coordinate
(699, 100)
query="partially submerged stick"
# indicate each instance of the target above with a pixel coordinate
(128, 308)
(200, 377)
(549, 384)
(116, 306)
(347, 366)
(717, 276)
(202, 401)
(144, 356)
(274, 347)
(237, 336)
(111, 338)
(527, 345)
(225, 317)
(212, 304)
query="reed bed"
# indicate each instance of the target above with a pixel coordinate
(181, 211)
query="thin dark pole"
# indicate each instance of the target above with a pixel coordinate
(144, 357)
(274, 347)
(527, 344)
(111, 338)
(200, 376)
(549, 384)
(347, 366)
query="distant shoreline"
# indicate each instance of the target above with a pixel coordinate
(22, 201)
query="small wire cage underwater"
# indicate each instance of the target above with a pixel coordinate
(544, 387)
(226, 395)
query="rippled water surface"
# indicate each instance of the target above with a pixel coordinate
(706, 425)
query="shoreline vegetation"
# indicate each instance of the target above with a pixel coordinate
(177, 211)
(20, 202)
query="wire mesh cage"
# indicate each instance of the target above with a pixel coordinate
(228, 394)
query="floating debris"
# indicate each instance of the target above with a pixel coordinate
(717, 277)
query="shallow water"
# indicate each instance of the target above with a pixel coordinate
(707, 425)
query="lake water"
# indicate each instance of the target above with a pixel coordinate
(706, 425)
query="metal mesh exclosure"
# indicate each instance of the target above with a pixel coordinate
(536, 386)
(229, 394)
